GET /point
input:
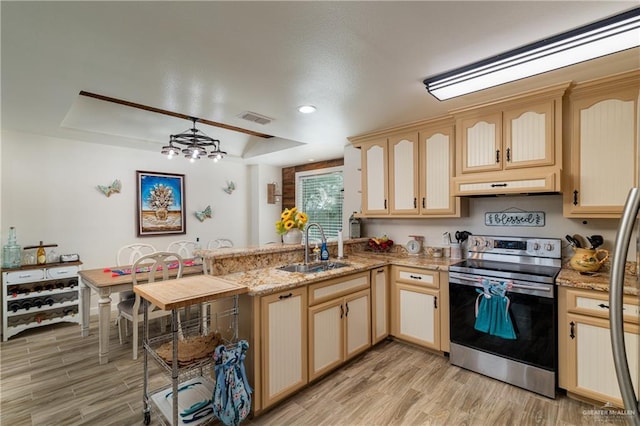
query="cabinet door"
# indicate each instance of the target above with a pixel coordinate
(284, 349)
(604, 154)
(379, 304)
(326, 337)
(357, 317)
(480, 143)
(592, 372)
(436, 151)
(529, 136)
(403, 174)
(416, 316)
(375, 177)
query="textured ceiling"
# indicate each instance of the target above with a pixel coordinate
(360, 63)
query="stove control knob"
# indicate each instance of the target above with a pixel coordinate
(536, 246)
(548, 247)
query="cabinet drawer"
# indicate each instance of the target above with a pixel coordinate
(27, 276)
(597, 304)
(62, 272)
(330, 289)
(417, 276)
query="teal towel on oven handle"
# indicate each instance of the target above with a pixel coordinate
(492, 311)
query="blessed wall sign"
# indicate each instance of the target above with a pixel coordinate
(519, 218)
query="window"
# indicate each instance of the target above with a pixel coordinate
(319, 193)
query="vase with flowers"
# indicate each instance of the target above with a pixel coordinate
(290, 225)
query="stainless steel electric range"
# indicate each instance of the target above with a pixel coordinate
(503, 310)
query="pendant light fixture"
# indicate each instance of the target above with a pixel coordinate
(610, 35)
(195, 145)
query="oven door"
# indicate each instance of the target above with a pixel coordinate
(531, 309)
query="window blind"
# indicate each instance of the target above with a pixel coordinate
(320, 195)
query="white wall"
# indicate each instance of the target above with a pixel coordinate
(49, 193)
(264, 215)
(556, 226)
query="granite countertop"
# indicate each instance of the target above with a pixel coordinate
(267, 280)
(598, 281)
(256, 267)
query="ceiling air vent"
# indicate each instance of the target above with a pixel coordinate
(255, 118)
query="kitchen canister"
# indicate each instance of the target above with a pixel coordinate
(456, 251)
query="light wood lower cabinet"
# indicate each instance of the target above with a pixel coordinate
(339, 322)
(415, 306)
(586, 368)
(284, 344)
(379, 304)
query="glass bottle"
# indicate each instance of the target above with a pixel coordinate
(354, 226)
(11, 252)
(41, 255)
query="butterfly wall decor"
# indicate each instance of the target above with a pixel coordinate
(230, 187)
(111, 189)
(204, 214)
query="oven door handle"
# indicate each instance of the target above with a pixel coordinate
(476, 282)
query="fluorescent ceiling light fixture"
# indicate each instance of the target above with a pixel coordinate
(307, 109)
(611, 35)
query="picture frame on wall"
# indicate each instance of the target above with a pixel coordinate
(160, 203)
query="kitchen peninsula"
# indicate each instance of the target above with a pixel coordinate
(278, 313)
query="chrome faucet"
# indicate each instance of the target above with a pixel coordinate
(306, 240)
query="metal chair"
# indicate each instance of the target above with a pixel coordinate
(184, 248)
(219, 243)
(131, 309)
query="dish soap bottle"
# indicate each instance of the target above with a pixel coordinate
(324, 253)
(316, 253)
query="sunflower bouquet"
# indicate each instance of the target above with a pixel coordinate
(289, 219)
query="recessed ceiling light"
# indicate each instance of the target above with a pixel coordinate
(307, 109)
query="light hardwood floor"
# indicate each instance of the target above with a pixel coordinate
(51, 376)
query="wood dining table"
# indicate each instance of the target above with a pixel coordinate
(108, 281)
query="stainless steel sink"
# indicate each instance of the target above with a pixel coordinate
(313, 267)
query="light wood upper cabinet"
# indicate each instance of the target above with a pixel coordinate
(407, 171)
(403, 173)
(375, 177)
(512, 145)
(480, 143)
(437, 165)
(516, 138)
(529, 139)
(602, 148)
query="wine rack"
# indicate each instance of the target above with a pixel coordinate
(39, 295)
